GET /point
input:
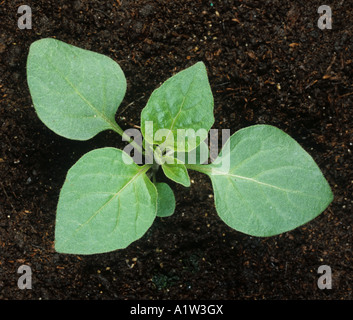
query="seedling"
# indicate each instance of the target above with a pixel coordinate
(264, 182)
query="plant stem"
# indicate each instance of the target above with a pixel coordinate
(155, 168)
(146, 167)
(120, 131)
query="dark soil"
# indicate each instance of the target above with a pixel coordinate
(268, 62)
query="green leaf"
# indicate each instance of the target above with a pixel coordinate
(183, 102)
(177, 173)
(166, 200)
(266, 183)
(104, 204)
(75, 92)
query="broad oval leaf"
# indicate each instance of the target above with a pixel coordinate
(265, 183)
(183, 102)
(166, 200)
(75, 92)
(177, 173)
(104, 204)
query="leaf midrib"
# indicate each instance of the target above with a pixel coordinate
(212, 172)
(115, 194)
(88, 103)
(180, 108)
